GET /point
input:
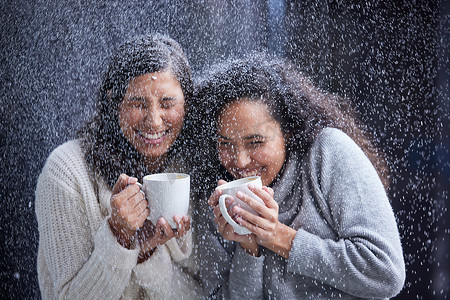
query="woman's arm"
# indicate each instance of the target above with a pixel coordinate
(241, 271)
(80, 264)
(364, 258)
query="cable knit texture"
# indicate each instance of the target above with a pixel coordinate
(347, 244)
(79, 257)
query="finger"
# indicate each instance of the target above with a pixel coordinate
(242, 214)
(264, 195)
(142, 210)
(221, 181)
(132, 190)
(254, 204)
(144, 214)
(180, 226)
(255, 229)
(265, 212)
(217, 211)
(123, 197)
(142, 217)
(137, 201)
(214, 199)
(221, 223)
(122, 182)
(187, 223)
(166, 229)
(269, 190)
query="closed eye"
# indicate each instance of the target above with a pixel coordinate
(168, 102)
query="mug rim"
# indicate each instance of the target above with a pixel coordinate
(237, 182)
(169, 176)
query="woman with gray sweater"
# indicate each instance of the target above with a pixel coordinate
(326, 228)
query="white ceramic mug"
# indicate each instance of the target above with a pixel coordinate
(229, 190)
(167, 195)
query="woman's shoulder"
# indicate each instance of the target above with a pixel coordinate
(330, 135)
(70, 150)
(67, 157)
(335, 149)
(335, 141)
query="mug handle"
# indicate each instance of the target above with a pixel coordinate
(142, 189)
(223, 209)
(145, 196)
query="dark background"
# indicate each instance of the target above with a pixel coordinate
(391, 58)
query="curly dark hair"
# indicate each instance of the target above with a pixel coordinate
(301, 108)
(107, 152)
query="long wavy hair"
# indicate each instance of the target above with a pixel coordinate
(107, 152)
(301, 108)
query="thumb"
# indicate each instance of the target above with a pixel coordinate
(221, 181)
(122, 182)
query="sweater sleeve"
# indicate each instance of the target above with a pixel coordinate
(226, 271)
(79, 264)
(246, 276)
(365, 257)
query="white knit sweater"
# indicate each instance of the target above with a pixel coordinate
(79, 257)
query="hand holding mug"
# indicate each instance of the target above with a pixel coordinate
(222, 201)
(267, 229)
(230, 191)
(149, 236)
(224, 228)
(128, 209)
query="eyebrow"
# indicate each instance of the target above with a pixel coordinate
(248, 137)
(253, 136)
(222, 137)
(168, 98)
(136, 98)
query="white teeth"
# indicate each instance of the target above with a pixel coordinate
(254, 172)
(153, 136)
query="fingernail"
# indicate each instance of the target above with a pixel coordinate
(251, 186)
(236, 209)
(239, 194)
(228, 201)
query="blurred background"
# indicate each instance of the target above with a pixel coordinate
(391, 58)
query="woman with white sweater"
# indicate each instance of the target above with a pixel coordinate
(95, 241)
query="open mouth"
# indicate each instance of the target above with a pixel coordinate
(153, 138)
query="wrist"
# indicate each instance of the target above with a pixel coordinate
(282, 244)
(143, 256)
(251, 249)
(124, 238)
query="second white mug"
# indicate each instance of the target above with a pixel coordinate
(229, 190)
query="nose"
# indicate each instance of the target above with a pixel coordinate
(241, 159)
(153, 117)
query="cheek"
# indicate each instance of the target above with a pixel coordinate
(175, 117)
(270, 156)
(129, 116)
(224, 157)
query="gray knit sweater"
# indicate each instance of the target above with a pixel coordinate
(347, 244)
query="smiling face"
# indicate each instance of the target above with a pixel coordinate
(152, 112)
(250, 142)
